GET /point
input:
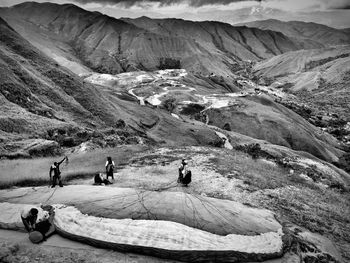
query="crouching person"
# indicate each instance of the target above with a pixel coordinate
(39, 230)
(29, 217)
(185, 175)
(99, 180)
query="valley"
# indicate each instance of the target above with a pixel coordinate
(260, 110)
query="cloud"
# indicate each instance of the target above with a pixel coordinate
(161, 3)
(335, 4)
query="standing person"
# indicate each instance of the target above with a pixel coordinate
(109, 167)
(29, 217)
(55, 168)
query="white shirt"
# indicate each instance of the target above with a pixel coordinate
(42, 215)
(107, 163)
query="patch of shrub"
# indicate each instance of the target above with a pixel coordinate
(69, 142)
(227, 127)
(52, 149)
(169, 104)
(217, 143)
(253, 149)
(169, 63)
(120, 124)
(344, 162)
(192, 109)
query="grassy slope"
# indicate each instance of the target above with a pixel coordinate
(33, 172)
(259, 117)
(319, 77)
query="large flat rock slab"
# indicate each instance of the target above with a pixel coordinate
(216, 216)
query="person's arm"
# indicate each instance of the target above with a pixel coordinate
(26, 224)
(62, 160)
(106, 164)
(35, 219)
(50, 173)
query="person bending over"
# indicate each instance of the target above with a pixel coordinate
(29, 217)
(99, 180)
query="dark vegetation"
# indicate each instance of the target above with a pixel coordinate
(344, 162)
(332, 123)
(254, 150)
(192, 109)
(316, 63)
(169, 63)
(169, 104)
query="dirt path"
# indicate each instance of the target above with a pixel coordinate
(16, 247)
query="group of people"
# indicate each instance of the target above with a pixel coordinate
(185, 175)
(99, 179)
(39, 230)
(55, 173)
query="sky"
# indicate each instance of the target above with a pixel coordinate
(331, 12)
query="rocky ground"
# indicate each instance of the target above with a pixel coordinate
(228, 175)
(16, 248)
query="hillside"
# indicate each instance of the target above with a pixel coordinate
(46, 106)
(320, 76)
(84, 41)
(324, 35)
(261, 119)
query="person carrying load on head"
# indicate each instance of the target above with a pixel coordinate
(55, 168)
(109, 167)
(185, 175)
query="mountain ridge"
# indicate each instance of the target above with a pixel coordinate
(110, 45)
(322, 34)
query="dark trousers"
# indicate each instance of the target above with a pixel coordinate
(110, 174)
(55, 179)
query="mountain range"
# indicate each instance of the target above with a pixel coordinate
(267, 101)
(56, 42)
(85, 40)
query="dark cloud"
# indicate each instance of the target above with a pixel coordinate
(342, 7)
(194, 3)
(336, 4)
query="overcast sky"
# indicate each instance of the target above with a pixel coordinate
(327, 11)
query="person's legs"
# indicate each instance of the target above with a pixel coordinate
(60, 181)
(54, 178)
(110, 174)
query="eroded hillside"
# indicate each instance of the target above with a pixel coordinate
(42, 100)
(83, 40)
